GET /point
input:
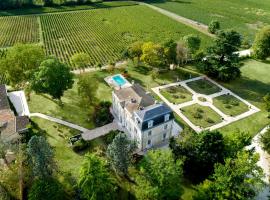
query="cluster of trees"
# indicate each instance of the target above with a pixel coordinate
(16, 4)
(162, 55)
(26, 66)
(261, 46)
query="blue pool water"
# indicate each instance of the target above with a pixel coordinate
(120, 81)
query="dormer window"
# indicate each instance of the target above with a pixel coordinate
(150, 123)
(167, 117)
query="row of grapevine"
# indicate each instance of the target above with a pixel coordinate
(18, 29)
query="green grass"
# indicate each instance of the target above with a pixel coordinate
(252, 86)
(95, 32)
(72, 111)
(203, 87)
(202, 116)
(176, 94)
(18, 30)
(243, 16)
(230, 105)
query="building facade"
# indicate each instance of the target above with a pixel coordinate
(144, 120)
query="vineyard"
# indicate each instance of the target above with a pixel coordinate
(102, 33)
(14, 30)
(105, 33)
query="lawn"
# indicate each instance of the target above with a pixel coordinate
(252, 86)
(95, 32)
(230, 105)
(202, 116)
(176, 94)
(204, 87)
(243, 16)
(72, 110)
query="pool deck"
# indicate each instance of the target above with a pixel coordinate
(112, 83)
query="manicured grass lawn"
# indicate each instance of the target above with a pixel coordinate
(252, 86)
(176, 94)
(73, 110)
(243, 16)
(230, 105)
(204, 87)
(202, 116)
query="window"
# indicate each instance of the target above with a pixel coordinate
(150, 123)
(164, 136)
(165, 126)
(167, 117)
(149, 142)
(149, 133)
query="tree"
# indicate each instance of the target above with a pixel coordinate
(266, 99)
(181, 53)
(199, 151)
(162, 176)
(40, 157)
(261, 44)
(193, 43)
(120, 153)
(214, 27)
(95, 181)
(221, 61)
(135, 50)
(153, 54)
(238, 179)
(81, 60)
(87, 89)
(265, 141)
(48, 2)
(53, 78)
(170, 51)
(43, 189)
(20, 63)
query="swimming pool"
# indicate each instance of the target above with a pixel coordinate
(119, 80)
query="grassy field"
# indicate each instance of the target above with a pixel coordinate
(105, 33)
(204, 87)
(243, 16)
(202, 116)
(252, 86)
(176, 94)
(230, 105)
(18, 29)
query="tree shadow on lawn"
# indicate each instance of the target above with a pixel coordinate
(174, 1)
(142, 70)
(250, 90)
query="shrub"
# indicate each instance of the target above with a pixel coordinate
(210, 121)
(110, 136)
(102, 114)
(197, 115)
(199, 110)
(213, 27)
(265, 140)
(261, 44)
(235, 103)
(228, 106)
(81, 145)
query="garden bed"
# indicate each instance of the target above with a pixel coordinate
(176, 94)
(203, 86)
(202, 116)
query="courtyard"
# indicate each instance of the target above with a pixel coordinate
(204, 104)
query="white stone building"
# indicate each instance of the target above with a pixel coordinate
(147, 122)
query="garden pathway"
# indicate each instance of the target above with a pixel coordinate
(59, 121)
(100, 131)
(195, 100)
(194, 24)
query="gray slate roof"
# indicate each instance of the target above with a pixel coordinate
(153, 111)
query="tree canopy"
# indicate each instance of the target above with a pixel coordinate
(53, 78)
(161, 176)
(261, 45)
(20, 63)
(81, 60)
(214, 26)
(120, 153)
(239, 178)
(95, 180)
